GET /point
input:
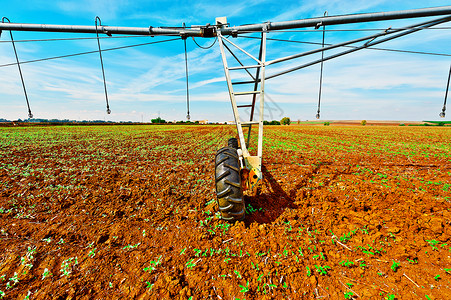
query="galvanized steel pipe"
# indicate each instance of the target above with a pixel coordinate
(200, 31)
(343, 19)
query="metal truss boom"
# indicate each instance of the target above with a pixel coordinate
(343, 19)
(211, 31)
(371, 42)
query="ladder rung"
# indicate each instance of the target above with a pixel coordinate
(247, 93)
(244, 82)
(244, 67)
(247, 105)
(249, 123)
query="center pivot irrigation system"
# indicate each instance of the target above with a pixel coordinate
(236, 170)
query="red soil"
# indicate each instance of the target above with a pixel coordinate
(127, 213)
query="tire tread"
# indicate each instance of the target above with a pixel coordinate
(229, 192)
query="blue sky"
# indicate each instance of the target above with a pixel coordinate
(147, 81)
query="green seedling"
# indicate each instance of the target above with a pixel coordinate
(210, 202)
(322, 270)
(153, 265)
(238, 274)
(244, 289)
(190, 264)
(348, 295)
(92, 253)
(437, 277)
(131, 246)
(67, 265)
(362, 264)
(347, 236)
(272, 286)
(395, 266)
(300, 251)
(412, 261)
(433, 244)
(14, 280)
(347, 263)
(45, 273)
(27, 297)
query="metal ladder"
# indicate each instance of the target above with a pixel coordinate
(252, 162)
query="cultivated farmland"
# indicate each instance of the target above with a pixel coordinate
(129, 212)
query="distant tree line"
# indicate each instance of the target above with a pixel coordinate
(67, 121)
(273, 122)
(284, 121)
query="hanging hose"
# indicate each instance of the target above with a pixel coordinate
(30, 115)
(442, 114)
(321, 73)
(186, 75)
(108, 111)
(208, 47)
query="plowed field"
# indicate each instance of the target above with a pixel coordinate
(129, 212)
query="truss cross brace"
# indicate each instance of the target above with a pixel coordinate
(253, 163)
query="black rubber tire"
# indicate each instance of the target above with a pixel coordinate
(233, 143)
(229, 192)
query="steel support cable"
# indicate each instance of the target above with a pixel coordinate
(406, 31)
(186, 76)
(321, 72)
(368, 39)
(30, 115)
(89, 52)
(332, 30)
(108, 111)
(348, 46)
(366, 45)
(442, 114)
